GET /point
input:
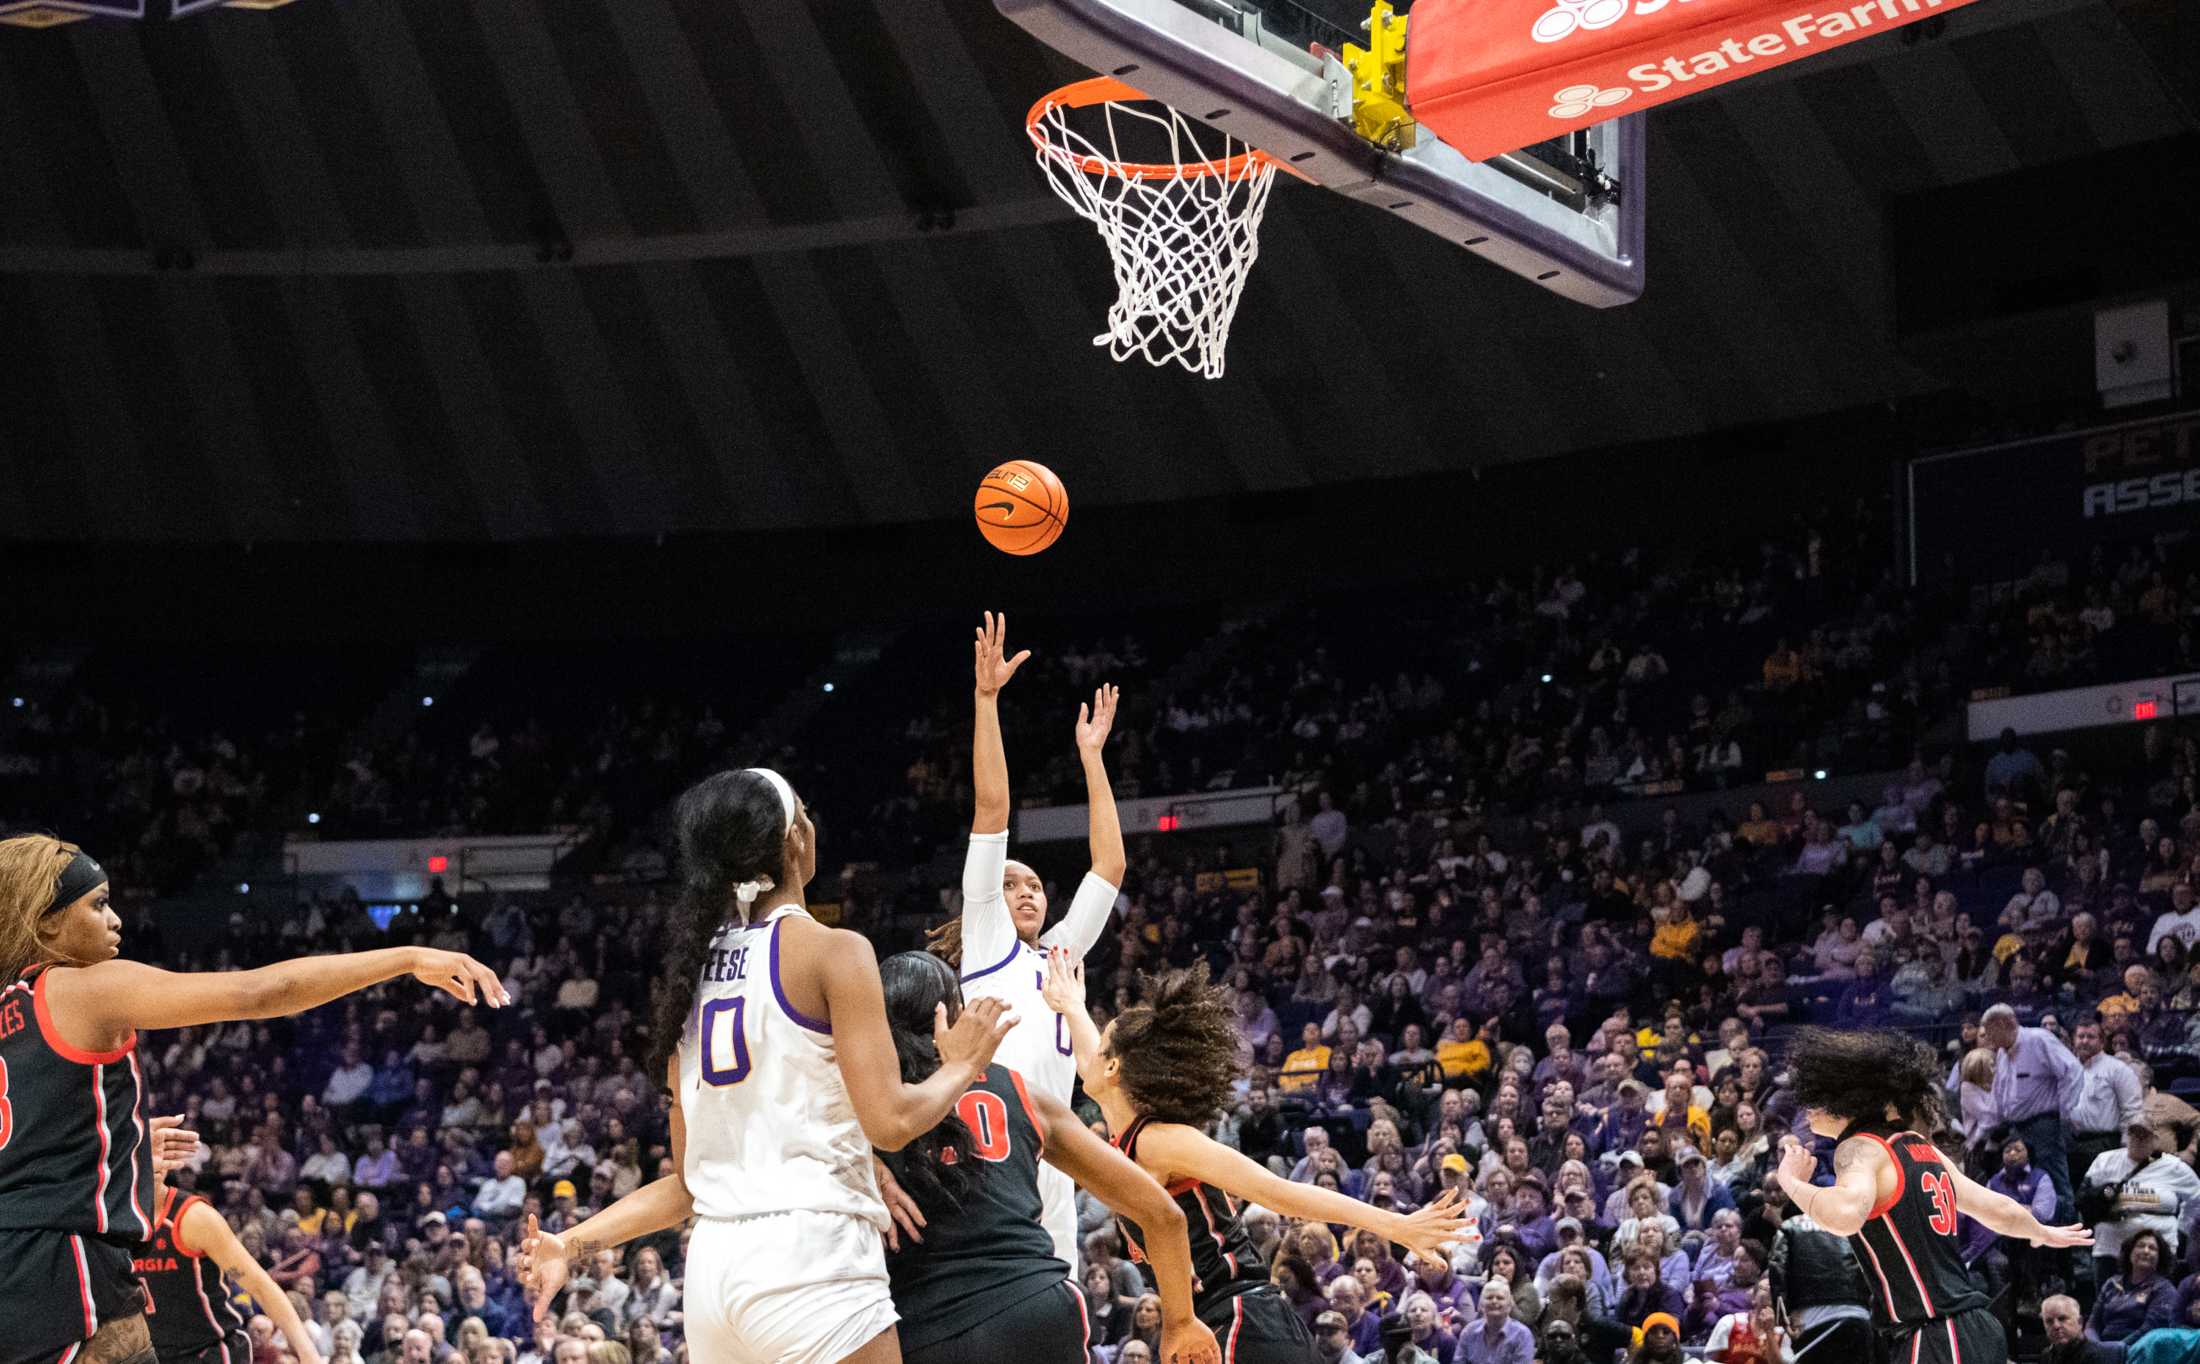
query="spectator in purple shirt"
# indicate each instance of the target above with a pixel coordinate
(1698, 1198)
(1531, 1217)
(2028, 1184)
(1454, 1300)
(1496, 1338)
(1710, 1301)
(378, 1168)
(1429, 1333)
(1348, 1298)
(1623, 1125)
(1721, 1247)
(1865, 1001)
(1646, 1292)
(1563, 1063)
(2036, 1080)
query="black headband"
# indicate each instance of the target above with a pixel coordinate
(80, 878)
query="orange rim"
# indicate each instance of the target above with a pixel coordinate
(1108, 90)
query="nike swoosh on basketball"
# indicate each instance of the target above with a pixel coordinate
(1007, 508)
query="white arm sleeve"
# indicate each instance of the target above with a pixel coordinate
(1087, 919)
(989, 934)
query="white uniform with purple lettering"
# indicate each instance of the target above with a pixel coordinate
(786, 1265)
(996, 963)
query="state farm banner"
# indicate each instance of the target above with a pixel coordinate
(1492, 76)
(1985, 515)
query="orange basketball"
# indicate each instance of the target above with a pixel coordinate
(1021, 507)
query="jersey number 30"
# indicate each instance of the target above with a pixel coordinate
(1942, 1191)
(725, 1049)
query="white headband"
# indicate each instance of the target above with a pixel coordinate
(747, 891)
(786, 795)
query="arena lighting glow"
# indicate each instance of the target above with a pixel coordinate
(244, 887)
(439, 864)
(313, 817)
(828, 689)
(2140, 710)
(427, 701)
(19, 703)
(1546, 679)
(1819, 775)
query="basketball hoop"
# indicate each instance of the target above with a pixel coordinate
(1183, 232)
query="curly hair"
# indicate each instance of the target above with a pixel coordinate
(1860, 1075)
(1178, 1047)
(945, 941)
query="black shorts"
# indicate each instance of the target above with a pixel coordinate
(1259, 1326)
(1046, 1327)
(235, 1350)
(1972, 1337)
(58, 1290)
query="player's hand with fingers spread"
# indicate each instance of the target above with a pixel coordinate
(993, 666)
(975, 1036)
(908, 1217)
(1064, 989)
(1426, 1232)
(173, 1143)
(2077, 1234)
(459, 976)
(1186, 1340)
(541, 1266)
(1095, 720)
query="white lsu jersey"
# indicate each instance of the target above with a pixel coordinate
(770, 1127)
(999, 965)
(1037, 1048)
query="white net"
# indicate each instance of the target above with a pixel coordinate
(1183, 236)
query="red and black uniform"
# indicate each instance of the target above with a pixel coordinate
(76, 1182)
(1923, 1299)
(190, 1313)
(984, 1283)
(1231, 1291)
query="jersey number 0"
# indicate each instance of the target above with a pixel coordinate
(725, 1059)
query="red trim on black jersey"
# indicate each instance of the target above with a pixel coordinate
(1923, 1294)
(1031, 1111)
(137, 1121)
(174, 1222)
(84, 1287)
(1884, 1205)
(60, 1045)
(106, 1171)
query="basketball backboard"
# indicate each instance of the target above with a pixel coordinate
(1566, 213)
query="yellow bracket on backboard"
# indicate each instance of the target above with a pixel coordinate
(1379, 80)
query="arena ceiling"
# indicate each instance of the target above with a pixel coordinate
(300, 275)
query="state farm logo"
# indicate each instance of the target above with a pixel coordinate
(1576, 100)
(1567, 15)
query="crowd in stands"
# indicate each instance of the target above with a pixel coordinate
(1469, 963)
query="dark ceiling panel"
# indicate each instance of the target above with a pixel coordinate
(851, 368)
(60, 120)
